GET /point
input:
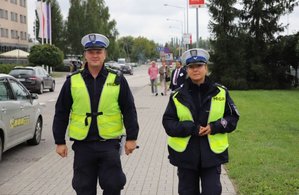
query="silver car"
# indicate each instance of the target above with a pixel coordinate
(20, 114)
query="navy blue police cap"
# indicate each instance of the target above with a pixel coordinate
(195, 56)
(94, 41)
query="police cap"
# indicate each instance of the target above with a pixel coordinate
(94, 41)
(195, 56)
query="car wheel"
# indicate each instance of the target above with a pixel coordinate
(52, 87)
(1, 148)
(37, 134)
(41, 89)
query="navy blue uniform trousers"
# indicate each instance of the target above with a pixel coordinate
(209, 177)
(97, 161)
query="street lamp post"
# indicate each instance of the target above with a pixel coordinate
(187, 10)
(179, 7)
(181, 42)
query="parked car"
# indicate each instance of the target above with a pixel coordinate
(113, 65)
(126, 69)
(20, 114)
(35, 79)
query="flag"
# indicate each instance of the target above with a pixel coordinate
(44, 15)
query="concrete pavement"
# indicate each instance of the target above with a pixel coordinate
(147, 169)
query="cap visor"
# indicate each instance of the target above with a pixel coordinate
(196, 63)
(94, 48)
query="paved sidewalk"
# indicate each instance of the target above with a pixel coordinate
(148, 170)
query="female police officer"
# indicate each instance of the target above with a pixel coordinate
(93, 104)
(197, 119)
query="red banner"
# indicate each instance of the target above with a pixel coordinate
(196, 3)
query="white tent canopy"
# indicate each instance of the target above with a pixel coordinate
(17, 53)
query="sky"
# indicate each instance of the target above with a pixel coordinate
(155, 21)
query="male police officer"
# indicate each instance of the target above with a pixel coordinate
(93, 104)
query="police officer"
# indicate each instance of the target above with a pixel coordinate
(197, 119)
(94, 104)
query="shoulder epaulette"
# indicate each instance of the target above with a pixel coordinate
(74, 73)
(118, 72)
(219, 85)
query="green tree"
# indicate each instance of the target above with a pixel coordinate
(58, 36)
(75, 27)
(46, 55)
(290, 54)
(143, 49)
(260, 21)
(126, 47)
(91, 16)
(226, 53)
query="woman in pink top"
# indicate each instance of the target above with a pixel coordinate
(153, 74)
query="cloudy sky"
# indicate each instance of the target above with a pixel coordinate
(155, 21)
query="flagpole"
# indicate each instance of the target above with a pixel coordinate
(42, 21)
(50, 23)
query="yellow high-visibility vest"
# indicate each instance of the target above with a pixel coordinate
(109, 117)
(218, 142)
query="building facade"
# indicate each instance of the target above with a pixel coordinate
(13, 25)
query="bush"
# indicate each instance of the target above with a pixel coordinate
(46, 55)
(6, 68)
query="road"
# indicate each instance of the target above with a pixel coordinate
(19, 158)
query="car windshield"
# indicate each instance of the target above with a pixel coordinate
(21, 72)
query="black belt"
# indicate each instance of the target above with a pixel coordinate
(90, 115)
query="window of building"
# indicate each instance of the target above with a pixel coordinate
(23, 35)
(22, 3)
(14, 1)
(23, 19)
(4, 32)
(3, 14)
(14, 34)
(6, 14)
(13, 16)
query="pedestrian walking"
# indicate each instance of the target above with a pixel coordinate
(197, 119)
(178, 76)
(153, 74)
(164, 77)
(94, 104)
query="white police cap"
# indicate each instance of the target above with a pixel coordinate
(94, 41)
(195, 56)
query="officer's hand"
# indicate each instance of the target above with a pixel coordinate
(205, 130)
(62, 150)
(130, 146)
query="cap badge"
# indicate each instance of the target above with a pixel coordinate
(92, 38)
(193, 52)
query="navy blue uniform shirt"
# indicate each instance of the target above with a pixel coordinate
(94, 86)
